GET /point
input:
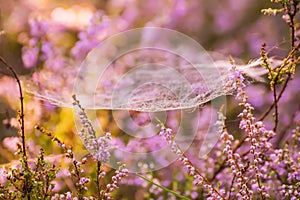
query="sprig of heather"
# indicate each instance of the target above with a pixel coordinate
(283, 74)
(199, 179)
(99, 147)
(278, 75)
(257, 136)
(234, 161)
(76, 171)
(120, 173)
(5, 193)
(286, 165)
(69, 196)
(21, 119)
(40, 175)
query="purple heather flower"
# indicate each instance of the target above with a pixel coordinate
(120, 173)
(38, 28)
(101, 150)
(30, 56)
(84, 180)
(68, 196)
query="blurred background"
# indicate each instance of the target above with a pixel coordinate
(231, 27)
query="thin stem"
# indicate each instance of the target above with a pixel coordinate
(231, 185)
(98, 179)
(163, 188)
(21, 104)
(276, 109)
(187, 162)
(223, 164)
(290, 56)
(26, 188)
(203, 177)
(291, 14)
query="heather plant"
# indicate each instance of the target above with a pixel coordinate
(256, 158)
(33, 180)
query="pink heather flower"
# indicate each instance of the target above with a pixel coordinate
(11, 143)
(100, 27)
(116, 180)
(42, 47)
(68, 196)
(234, 161)
(257, 136)
(99, 147)
(89, 39)
(101, 150)
(168, 135)
(55, 197)
(3, 175)
(38, 28)
(52, 56)
(30, 53)
(84, 180)
(180, 8)
(30, 56)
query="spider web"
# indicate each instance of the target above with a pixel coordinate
(146, 70)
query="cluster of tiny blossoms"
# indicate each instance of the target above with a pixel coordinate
(234, 161)
(69, 196)
(99, 147)
(115, 181)
(199, 180)
(257, 136)
(82, 181)
(75, 171)
(286, 162)
(41, 46)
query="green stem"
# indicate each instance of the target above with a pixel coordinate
(163, 188)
